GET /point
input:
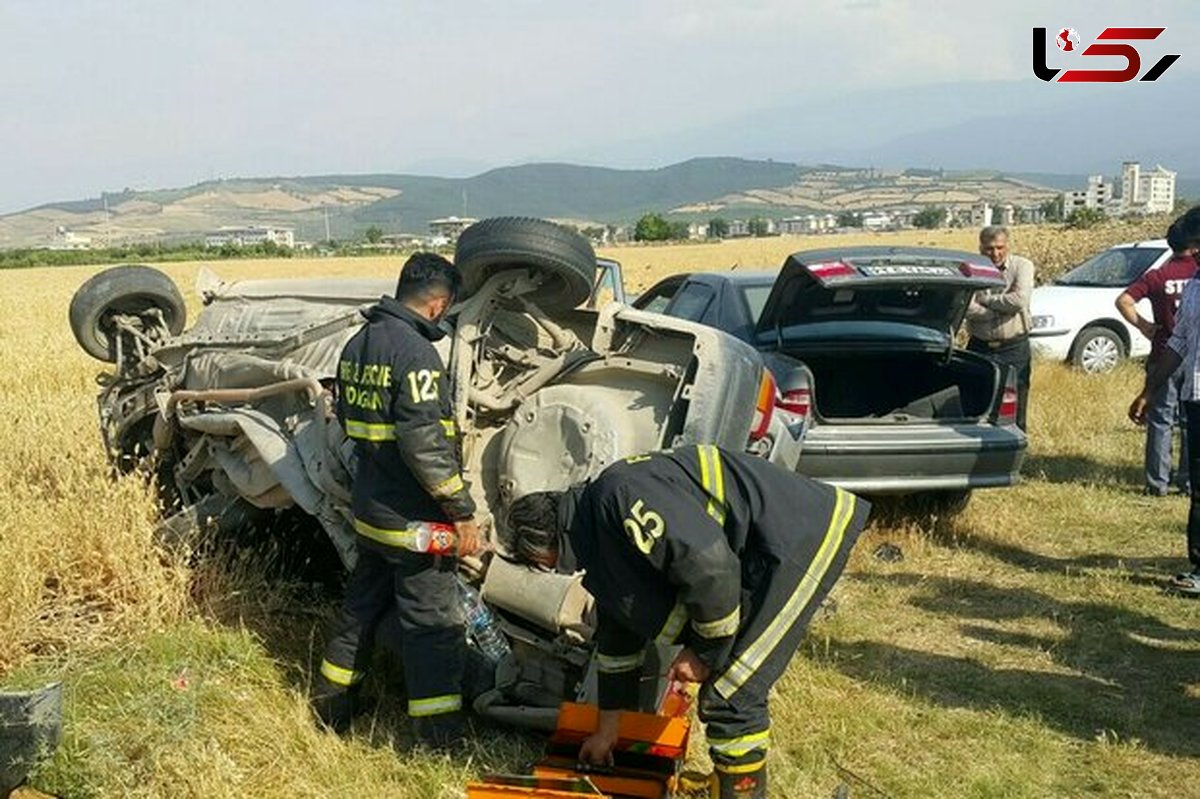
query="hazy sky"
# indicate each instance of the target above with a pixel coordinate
(97, 96)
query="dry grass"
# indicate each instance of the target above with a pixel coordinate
(1023, 649)
(78, 567)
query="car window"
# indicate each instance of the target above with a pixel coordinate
(756, 299)
(1115, 268)
(657, 299)
(692, 301)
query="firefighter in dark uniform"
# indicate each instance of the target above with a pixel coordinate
(394, 402)
(720, 551)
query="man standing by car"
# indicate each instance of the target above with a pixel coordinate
(394, 402)
(998, 319)
(720, 551)
(1182, 352)
(1164, 288)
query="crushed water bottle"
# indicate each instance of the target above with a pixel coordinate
(481, 625)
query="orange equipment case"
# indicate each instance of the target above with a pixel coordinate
(650, 750)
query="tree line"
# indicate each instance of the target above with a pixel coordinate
(145, 252)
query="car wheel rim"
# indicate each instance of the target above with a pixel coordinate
(1100, 355)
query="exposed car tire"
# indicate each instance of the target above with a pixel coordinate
(129, 289)
(1098, 350)
(565, 258)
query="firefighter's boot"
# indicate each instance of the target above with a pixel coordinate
(333, 704)
(442, 732)
(739, 778)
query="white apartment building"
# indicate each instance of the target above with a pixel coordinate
(1142, 192)
(1098, 194)
(808, 223)
(251, 235)
(449, 228)
(1149, 192)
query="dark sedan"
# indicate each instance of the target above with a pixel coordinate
(861, 342)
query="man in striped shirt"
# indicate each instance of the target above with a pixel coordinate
(1183, 351)
(722, 552)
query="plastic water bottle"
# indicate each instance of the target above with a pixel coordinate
(436, 538)
(481, 626)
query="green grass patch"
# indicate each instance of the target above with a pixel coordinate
(206, 710)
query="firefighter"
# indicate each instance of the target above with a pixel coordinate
(722, 552)
(393, 400)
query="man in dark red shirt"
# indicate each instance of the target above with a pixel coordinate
(1164, 288)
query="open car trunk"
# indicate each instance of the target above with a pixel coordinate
(874, 326)
(902, 387)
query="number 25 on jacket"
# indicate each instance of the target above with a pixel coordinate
(644, 526)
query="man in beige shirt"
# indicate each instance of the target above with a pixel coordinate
(998, 319)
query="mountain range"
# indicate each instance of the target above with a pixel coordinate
(344, 206)
(1002, 141)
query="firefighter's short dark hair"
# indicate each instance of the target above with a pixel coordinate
(426, 274)
(533, 528)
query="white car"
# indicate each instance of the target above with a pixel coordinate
(1075, 318)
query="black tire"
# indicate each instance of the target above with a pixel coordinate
(129, 289)
(1098, 350)
(494, 245)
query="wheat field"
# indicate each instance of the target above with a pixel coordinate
(1022, 649)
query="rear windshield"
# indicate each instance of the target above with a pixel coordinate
(756, 299)
(1115, 268)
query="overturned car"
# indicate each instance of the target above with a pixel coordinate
(234, 414)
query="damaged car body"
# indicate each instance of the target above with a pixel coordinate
(235, 414)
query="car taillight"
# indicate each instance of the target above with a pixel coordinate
(764, 406)
(797, 401)
(1008, 405)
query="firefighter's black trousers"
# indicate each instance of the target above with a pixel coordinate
(733, 702)
(424, 590)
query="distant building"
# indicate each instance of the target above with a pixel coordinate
(981, 214)
(805, 224)
(401, 240)
(1150, 192)
(1098, 194)
(1031, 214)
(876, 220)
(738, 228)
(1142, 192)
(249, 236)
(69, 240)
(697, 230)
(984, 214)
(449, 228)
(795, 225)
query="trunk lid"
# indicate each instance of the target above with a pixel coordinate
(891, 296)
